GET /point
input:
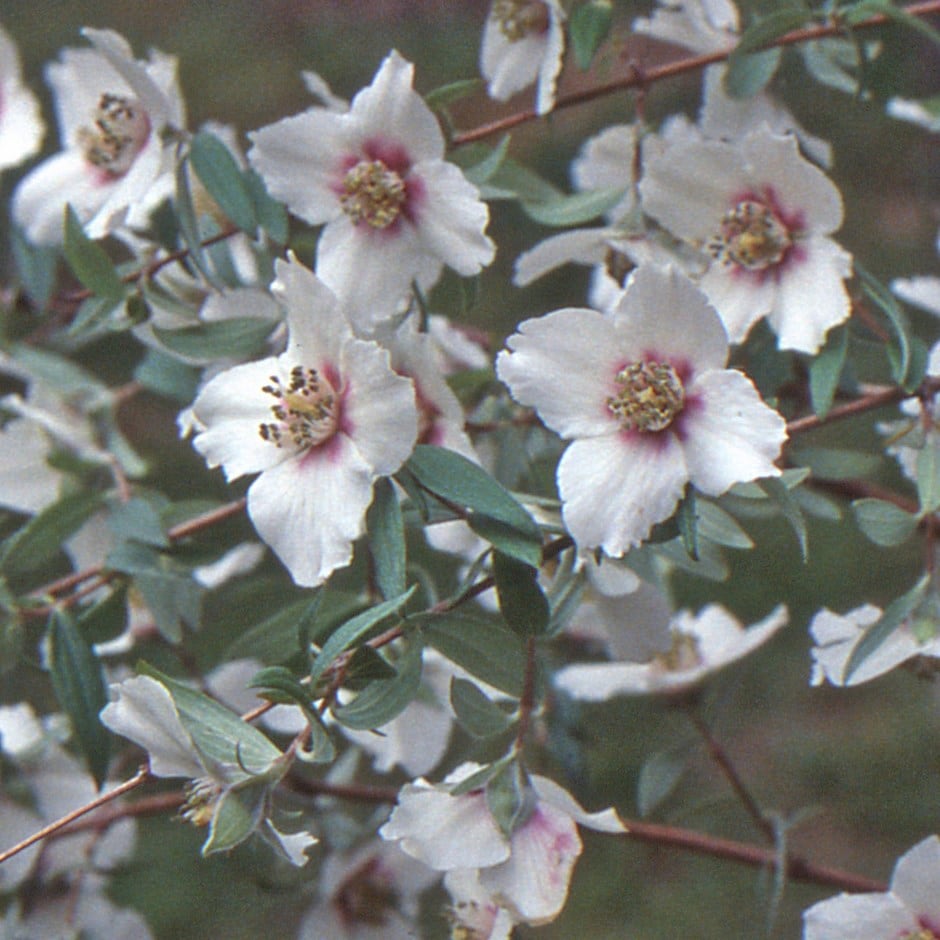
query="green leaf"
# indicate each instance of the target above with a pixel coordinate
(222, 176)
(189, 225)
(490, 161)
(524, 184)
(486, 650)
(687, 520)
(281, 636)
(97, 315)
(481, 717)
(447, 94)
(220, 736)
(238, 338)
(279, 684)
(496, 515)
(830, 463)
(271, 214)
(869, 8)
(139, 519)
(387, 539)
(575, 209)
(478, 780)
(167, 376)
(236, 817)
(825, 370)
(835, 63)
(659, 776)
(928, 476)
(521, 600)
(510, 797)
(720, 527)
(778, 491)
(770, 27)
(588, 27)
(89, 261)
(78, 682)
(168, 589)
(900, 356)
(35, 267)
(895, 614)
(352, 631)
(749, 73)
(382, 700)
(41, 537)
(105, 619)
(884, 523)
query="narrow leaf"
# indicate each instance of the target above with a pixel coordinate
(899, 357)
(89, 261)
(928, 475)
(769, 27)
(777, 490)
(659, 777)
(189, 225)
(222, 176)
(750, 72)
(235, 818)
(237, 338)
(481, 717)
(271, 214)
(588, 28)
(884, 523)
(574, 209)
(825, 370)
(521, 601)
(387, 539)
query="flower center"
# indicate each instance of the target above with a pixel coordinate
(306, 413)
(520, 18)
(202, 795)
(651, 396)
(367, 895)
(372, 193)
(470, 920)
(751, 236)
(683, 653)
(121, 128)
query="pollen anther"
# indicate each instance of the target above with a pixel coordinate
(520, 18)
(120, 129)
(751, 236)
(651, 396)
(305, 412)
(373, 193)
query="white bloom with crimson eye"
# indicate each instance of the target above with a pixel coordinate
(528, 872)
(763, 213)
(394, 210)
(696, 645)
(910, 910)
(837, 635)
(115, 166)
(644, 397)
(523, 43)
(319, 423)
(21, 125)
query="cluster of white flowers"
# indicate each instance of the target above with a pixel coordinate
(643, 403)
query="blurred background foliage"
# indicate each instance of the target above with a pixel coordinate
(861, 764)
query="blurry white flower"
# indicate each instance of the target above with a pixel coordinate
(923, 291)
(320, 422)
(523, 43)
(21, 124)
(916, 112)
(394, 210)
(473, 913)
(645, 398)
(837, 635)
(691, 647)
(699, 25)
(370, 893)
(764, 214)
(113, 113)
(528, 872)
(910, 909)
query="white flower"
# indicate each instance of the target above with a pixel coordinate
(763, 214)
(645, 398)
(910, 909)
(904, 109)
(523, 43)
(21, 125)
(837, 635)
(696, 645)
(115, 166)
(527, 873)
(395, 211)
(923, 291)
(319, 422)
(473, 911)
(370, 893)
(700, 25)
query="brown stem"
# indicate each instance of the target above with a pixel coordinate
(642, 79)
(869, 402)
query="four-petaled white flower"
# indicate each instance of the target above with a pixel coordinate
(115, 166)
(691, 647)
(523, 43)
(837, 635)
(21, 125)
(528, 872)
(645, 398)
(763, 213)
(320, 423)
(910, 910)
(395, 211)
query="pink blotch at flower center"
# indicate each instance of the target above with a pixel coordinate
(650, 398)
(520, 18)
(306, 412)
(373, 193)
(683, 653)
(922, 934)
(751, 236)
(120, 129)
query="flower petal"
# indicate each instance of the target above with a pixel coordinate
(915, 879)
